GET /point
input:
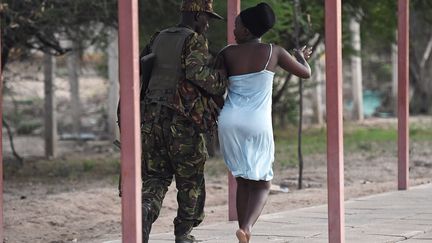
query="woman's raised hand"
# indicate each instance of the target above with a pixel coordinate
(305, 52)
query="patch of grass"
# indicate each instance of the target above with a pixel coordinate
(417, 133)
(68, 168)
(26, 127)
(313, 142)
(357, 138)
(369, 141)
(88, 165)
(114, 164)
(366, 139)
(115, 179)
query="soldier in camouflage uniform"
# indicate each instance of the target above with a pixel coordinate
(178, 107)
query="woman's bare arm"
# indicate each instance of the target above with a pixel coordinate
(296, 65)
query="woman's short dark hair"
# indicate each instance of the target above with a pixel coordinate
(258, 19)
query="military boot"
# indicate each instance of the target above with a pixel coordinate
(146, 227)
(146, 223)
(185, 239)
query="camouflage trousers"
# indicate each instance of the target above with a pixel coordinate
(171, 148)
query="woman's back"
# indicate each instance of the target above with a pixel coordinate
(250, 83)
(247, 58)
(252, 57)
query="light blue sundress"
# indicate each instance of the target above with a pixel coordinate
(245, 125)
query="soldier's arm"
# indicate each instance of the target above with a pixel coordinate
(198, 70)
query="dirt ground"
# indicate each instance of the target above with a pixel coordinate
(87, 209)
(64, 206)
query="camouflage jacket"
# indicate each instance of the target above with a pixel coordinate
(195, 94)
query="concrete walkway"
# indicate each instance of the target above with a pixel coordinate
(399, 216)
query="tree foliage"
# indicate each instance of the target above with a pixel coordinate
(41, 24)
(421, 57)
(378, 33)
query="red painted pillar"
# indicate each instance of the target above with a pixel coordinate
(335, 166)
(130, 121)
(403, 97)
(233, 9)
(1, 148)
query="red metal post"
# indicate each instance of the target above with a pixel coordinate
(1, 148)
(130, 122)
(233, 9)
(403, 98)
(335, 166)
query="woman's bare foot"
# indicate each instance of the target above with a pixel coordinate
(242, 236)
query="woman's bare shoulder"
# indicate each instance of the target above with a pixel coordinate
(277, 48)
(227, 49)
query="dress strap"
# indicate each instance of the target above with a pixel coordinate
(223, 49)
(271, 51)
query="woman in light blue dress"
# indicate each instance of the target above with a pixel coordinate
(245, 125)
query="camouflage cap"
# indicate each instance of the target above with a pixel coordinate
(199, 6)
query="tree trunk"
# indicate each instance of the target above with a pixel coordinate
(283, 123)
(356, 71)
(420, 65)
(318, 92)
(299, 135)
(279, 93)
(73, 70)
(4, 55)
(394, 57)
(421, 100)
(318, 101)
(113, 93)
(50, 111)
(11, 141)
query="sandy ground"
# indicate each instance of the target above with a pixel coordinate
(88, 210)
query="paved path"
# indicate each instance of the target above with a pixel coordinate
(399, 216)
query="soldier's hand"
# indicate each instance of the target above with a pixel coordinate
(219, 62)
(222, 72)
